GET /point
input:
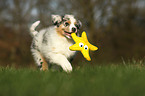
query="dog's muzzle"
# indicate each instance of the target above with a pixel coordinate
(74, 29)
(68, 34)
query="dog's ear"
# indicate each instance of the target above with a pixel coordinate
(67, 16)
(79, 24)
(56, 19)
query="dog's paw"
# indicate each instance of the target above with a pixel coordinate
(67, 68)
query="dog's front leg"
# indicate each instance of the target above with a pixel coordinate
(61, 60)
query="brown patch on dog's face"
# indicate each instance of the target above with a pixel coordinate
(64, 29)
(60, 30)
(66, 25)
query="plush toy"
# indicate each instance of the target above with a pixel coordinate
(82, 44)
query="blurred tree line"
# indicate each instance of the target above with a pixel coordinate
(115, 26)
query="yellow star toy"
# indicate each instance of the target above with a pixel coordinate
(82, 44)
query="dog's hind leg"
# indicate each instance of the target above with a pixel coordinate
(40, 61)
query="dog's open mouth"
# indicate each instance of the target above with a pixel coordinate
(68, 34)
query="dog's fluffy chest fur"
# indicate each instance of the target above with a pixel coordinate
(51, 42)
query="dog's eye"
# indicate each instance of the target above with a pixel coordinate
(81, 44)
(86, 47)
(66, 24)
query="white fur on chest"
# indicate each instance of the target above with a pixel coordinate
(55, 44)
(60, 45)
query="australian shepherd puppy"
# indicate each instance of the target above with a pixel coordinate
(50, 46)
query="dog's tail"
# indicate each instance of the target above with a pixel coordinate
(33, 32)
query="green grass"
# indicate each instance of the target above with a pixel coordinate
(113, 80)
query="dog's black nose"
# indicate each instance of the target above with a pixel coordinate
(73, 29)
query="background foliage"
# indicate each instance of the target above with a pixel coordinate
(115, 26)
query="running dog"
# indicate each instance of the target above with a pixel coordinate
(50, 46)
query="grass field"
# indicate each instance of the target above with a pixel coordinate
(111, 80)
